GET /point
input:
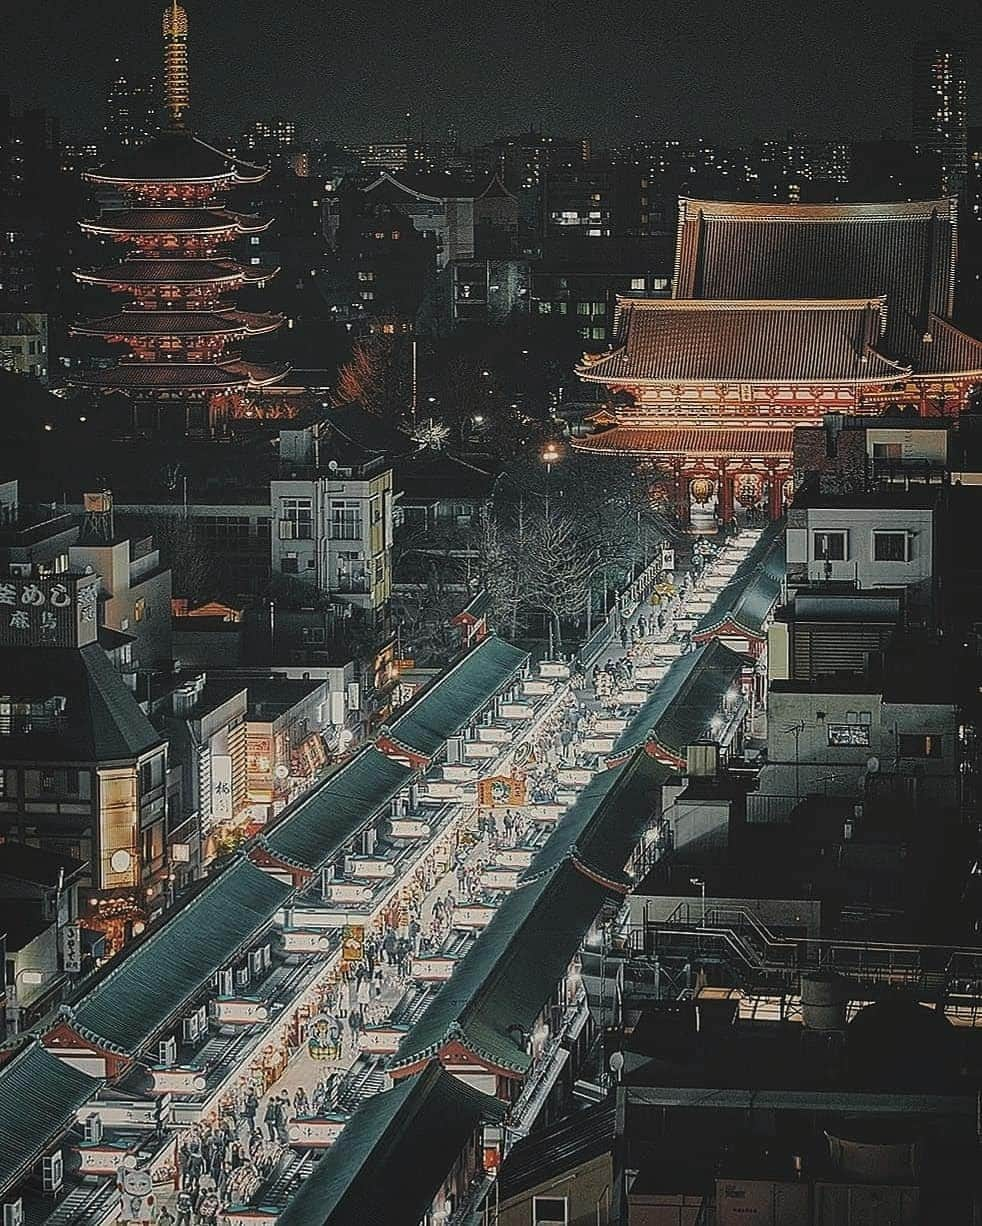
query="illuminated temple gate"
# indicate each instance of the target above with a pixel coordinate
(780, 314)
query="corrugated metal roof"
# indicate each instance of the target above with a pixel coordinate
(394, 1155)
(678, 712)
(905, 251)
(317, 826)
(752, 593)
(39, 1095)
(723, 441)
(149, 982)
(747, 342)
(449, 702)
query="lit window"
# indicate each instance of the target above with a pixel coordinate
(637, 283)
(139, 610)
(845, 735)
(919, 745)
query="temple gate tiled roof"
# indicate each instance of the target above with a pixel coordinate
(688, 342)
(722, 442)
(905, 251)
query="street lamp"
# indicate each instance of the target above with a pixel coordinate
(701, 883)
(549, 455)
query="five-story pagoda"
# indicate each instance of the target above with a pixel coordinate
(178, 320)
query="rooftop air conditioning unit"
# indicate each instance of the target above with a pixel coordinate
(53, 1171)
(13, 1213)
(92, 1130)
(22, 570)
(167, 1052)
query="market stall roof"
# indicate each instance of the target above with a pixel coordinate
(678, 712)
(456, 696)
(149, 982)
(751, 594)
(378, 1174)
(314, 829)
(503, 981)
(39, 1096)
(607, 820)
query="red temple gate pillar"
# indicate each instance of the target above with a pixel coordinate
(775, 496)
(725, 485)
(682, 496)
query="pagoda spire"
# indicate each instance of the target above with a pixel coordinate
(177, 90)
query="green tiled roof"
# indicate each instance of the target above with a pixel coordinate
(685, 700)
(39, 1095)
(147, 984)
(316, 827)
(753, 591)
(457, 695)
(394, 1155)
(503, 981)
(605, 824)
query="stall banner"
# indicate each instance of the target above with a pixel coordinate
(315, 1132)
(348, 891)
(500, 791)
(178, 1081)
(381, 1040)
(433, 969)
(409, 828)
(103, 1159)
(305, 941)
(71, 947)
(221, 787)
(472, 916)
(240, 1011)
(353, 943)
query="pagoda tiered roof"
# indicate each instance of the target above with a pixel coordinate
(174, 221)
(757, 342)
(905, 251)
(136, 376)
(179, 323)
(174, 272)
(177, 157)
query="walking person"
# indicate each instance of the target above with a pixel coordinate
(270, 1115)
(250, 1107)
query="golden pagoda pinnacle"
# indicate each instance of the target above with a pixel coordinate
(177, 90)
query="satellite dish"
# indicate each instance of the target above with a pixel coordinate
(873, 765)
(282, 771)
(332, 466)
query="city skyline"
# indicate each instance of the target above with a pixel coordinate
(562, 71)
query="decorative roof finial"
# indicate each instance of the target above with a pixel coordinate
(177, 90)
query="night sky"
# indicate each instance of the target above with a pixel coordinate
(722, 69)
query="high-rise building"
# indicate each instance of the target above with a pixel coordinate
(940, 107)
(178, 321)
(276, 135)
(131, 110)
